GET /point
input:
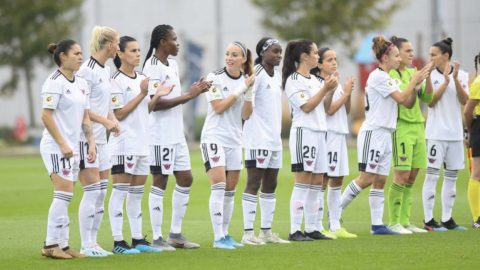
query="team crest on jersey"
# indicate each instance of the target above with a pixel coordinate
(83, 91)
(215, 159)
(130, 165)
(155, 84)
(65, 172)
(372, 166)
(432, 160)
(167, 166)
(332, 168)
(261, 160)
(309, 162)
(403, 158)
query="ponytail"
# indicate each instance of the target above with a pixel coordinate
(293, 52)
(62, 47)
(445, 46)
(259, 50)
(122, 45)
(247, 67)
(159, 32)
(100, 37)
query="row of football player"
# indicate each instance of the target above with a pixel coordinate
(230, 96)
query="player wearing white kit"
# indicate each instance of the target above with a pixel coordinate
(130, 102)
(337, 155)
(103, 46)
(168, 147)
(444, 133)
(374, 144)
(307, 142)
(65, 114)
(229, 101)
(263, 144)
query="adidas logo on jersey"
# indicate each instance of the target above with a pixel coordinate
(167, 78)
(225, 89)
(436, 82)
(157, 209)
(268, 86)
(129, 89)
(68, 91)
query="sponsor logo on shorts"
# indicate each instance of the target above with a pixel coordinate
(167, 166)
(130, 165)
(261, 160)
(215, 159)
(309, 162)
(372, 166)
(332, 168)
(65, 172)
(432, 160)
(403, 158)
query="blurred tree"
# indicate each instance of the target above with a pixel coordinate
(326, 20)
(28, 26)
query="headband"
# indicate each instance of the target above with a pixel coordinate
(386, 52)
(268, 43)
(241, 47)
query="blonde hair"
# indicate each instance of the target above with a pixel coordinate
(100, 37)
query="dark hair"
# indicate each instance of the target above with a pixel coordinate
(445, 46)
(316, 71)
(259, 49)
(380, 46)
(62, 46)
(248, 65)
(398, 41)
(294, 50)
(477, 60)
(122, 45)
(159, 32)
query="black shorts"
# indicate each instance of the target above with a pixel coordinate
(475, 137)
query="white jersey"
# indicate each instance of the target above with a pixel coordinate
(224, 129)
(380, 107)
(166, 126)
(444, 120)
(262, 130)
(98, 79)
(338, 122)
(299, 89)
(68, 100)
(134, 139)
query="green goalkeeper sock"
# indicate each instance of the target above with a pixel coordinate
(406, 205)
(395, 198)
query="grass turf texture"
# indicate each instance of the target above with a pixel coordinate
(26, 194)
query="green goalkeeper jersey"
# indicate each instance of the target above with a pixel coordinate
(413, 115)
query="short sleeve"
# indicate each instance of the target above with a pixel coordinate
(88, 75)
(52, 91)
(387, 87)
(155, 74)
(214, 93)
(84, 87)
(464, 82)
(116, 96)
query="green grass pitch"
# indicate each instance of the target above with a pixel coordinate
(26, 194)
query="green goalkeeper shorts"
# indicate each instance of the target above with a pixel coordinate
(409, 146)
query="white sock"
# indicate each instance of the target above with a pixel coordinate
(350, 193)
(56, 216)
(134, 210)
(155, 204)
(334, 201)
(297, 205)
(267, 209)
(115, 209)
(428, 192)
(215, 204)
(449, 191)
(86, 213)
(179, 207)
(65, 232)
(321, 207)
(99, 209)
(376, 206)
(312, 207)
(228, 204)
(249, 205)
